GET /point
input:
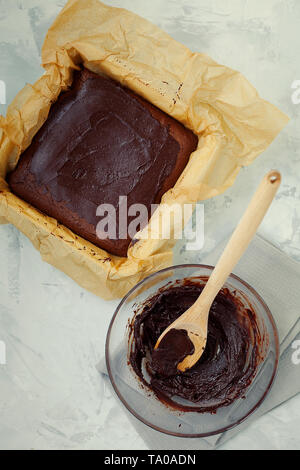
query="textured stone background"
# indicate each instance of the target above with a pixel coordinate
(51, 395)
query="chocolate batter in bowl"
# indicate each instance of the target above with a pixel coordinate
(227, 384)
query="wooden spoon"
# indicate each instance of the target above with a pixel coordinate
(195, 319)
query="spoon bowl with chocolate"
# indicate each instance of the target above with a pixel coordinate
(183, 342)
(225, 386)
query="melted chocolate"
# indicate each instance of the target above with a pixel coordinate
(172, 349)
(228, 364)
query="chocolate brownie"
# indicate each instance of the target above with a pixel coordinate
(101, 141)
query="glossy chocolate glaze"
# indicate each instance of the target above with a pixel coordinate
(228, 364)
(100, 142)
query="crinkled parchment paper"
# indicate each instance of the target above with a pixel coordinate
(233, 123)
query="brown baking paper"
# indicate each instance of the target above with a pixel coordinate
(233, 123)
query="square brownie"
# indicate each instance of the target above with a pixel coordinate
(101, 141)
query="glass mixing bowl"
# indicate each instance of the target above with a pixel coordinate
(143, 404)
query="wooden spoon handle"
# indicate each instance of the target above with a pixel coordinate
(240, 238)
